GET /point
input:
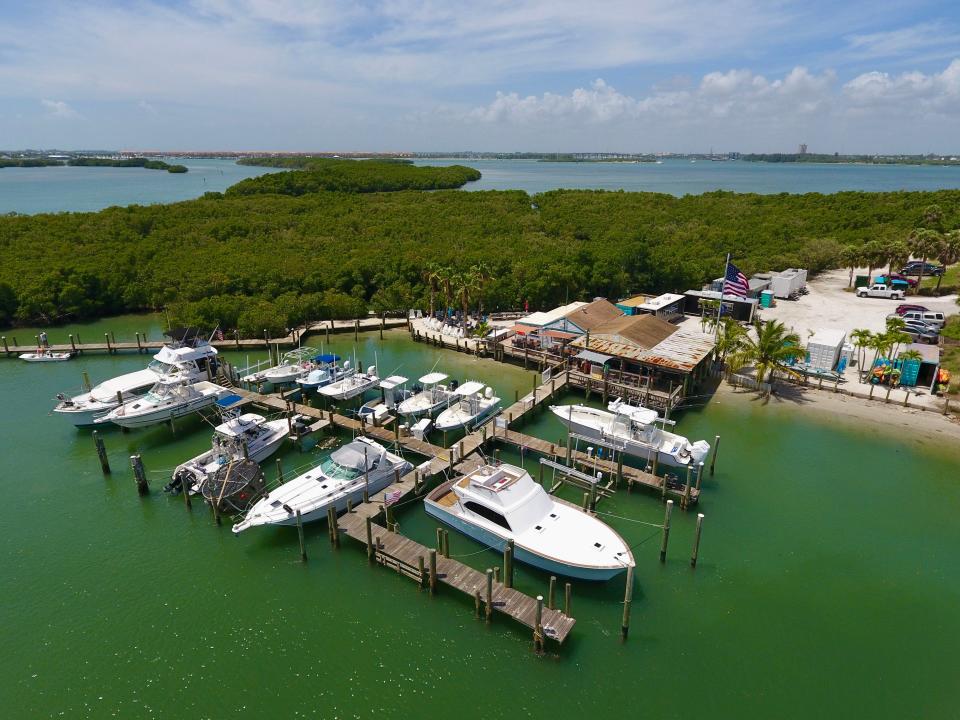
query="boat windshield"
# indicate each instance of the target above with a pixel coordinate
(160, 367)
(332, 469)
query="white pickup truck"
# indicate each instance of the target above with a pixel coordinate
(880, 290)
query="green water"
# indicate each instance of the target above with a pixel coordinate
(827, 585)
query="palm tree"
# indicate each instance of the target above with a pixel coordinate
(774, 347)
(924, 242)
(851, 256)
(861, 339)
(911, 355)
(464, 283)
(874, 254)
(899, 254)
(878, 343)
(432, 274)
(481, 276)
(948, 252)
(446, 282)
(731, 338)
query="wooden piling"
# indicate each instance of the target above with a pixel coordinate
(369, 538)
(666, 531)
(685, 503)
(551, 593)
(699, 475)
(73, 345)
(139, 474)
(566, 599)
(106, 336)
(476, 603)
(538, 626)
(335, 528)
(303, 547)
(6, 348)
(496, 573)
(139, 347)
(696, 541)
(101, 452)
(716, 449)
(586, 501)
(280, 471)
(433, 570)
(627, 602)
(489, 610)
(423, 574)
(508, 564)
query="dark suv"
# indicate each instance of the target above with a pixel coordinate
(913, 268)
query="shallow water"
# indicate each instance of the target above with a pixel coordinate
(827, 582)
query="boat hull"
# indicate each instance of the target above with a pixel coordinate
(448, 423)
(520, 553)
(630, 447)
(162, 415)
(86, 417)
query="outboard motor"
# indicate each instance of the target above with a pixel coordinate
(454, 384)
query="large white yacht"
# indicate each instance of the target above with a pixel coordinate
(186, 358)
(360, 465)
(497, 503)
(633, 429)
(166, 400)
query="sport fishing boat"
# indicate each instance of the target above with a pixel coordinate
(497, 503)
(471, 405)
(325, 371)
(360, 465)
(43, 354)
(261, 437)
(187, 358)
(633, 429)
(393, 390)
(350, 387)
(292, 366)
(433, 397)
(165, 400)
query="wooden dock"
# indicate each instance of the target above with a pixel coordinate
(12, 347)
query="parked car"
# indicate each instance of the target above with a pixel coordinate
(898, 282)
(913, 268)
(906, 307)
(912, 282)
(880, 290)
(930, 317)
(922, 334)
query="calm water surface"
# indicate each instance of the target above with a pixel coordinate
(36, 190)
(82, 189)
(827, 585)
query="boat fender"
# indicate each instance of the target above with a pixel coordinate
(288, 509)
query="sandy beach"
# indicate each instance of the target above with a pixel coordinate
(911, 422)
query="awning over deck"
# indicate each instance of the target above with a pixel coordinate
(594, 357)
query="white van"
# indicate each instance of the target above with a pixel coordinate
(928, 316)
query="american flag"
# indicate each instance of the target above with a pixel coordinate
(735, 282)
(391, 497)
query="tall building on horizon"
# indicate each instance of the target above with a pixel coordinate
(803, 148)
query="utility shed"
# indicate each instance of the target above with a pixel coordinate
(738, 308)
(823, 348)
(668, 306)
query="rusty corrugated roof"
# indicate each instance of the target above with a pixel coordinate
(683, 350)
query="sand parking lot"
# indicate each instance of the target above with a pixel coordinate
(828, 305)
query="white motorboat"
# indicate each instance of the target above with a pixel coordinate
(292, 366)
(350, 387)
(186, 359)
(261, 437)
(42, 354)
(497, 503)
(471, 406)
(325, 371)
(360, 465)
(434, 397)
(166, 400)
(634, 430)
(393, 390)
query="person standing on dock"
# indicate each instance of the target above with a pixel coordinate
(43, 341)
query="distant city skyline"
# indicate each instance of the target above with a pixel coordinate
(646, 76)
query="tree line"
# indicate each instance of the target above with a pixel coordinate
(272, 260)
(126, 163)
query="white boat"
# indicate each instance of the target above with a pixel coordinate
(393, 391)
(325, 371)
(350, 387)
(262, 438)
(45, 355)
(634, 430)
(434, 396)
(187, 359)
(360, 465)
(471, 406)
(166, 400)
(293, 365)
(497, 503)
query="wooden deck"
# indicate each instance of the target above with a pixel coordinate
(12, 348)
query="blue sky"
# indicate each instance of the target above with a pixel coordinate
(639, 76)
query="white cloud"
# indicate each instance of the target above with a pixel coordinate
(59, 109)
(147, 107)
(911, 93)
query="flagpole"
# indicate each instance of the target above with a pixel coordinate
(726, 269)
